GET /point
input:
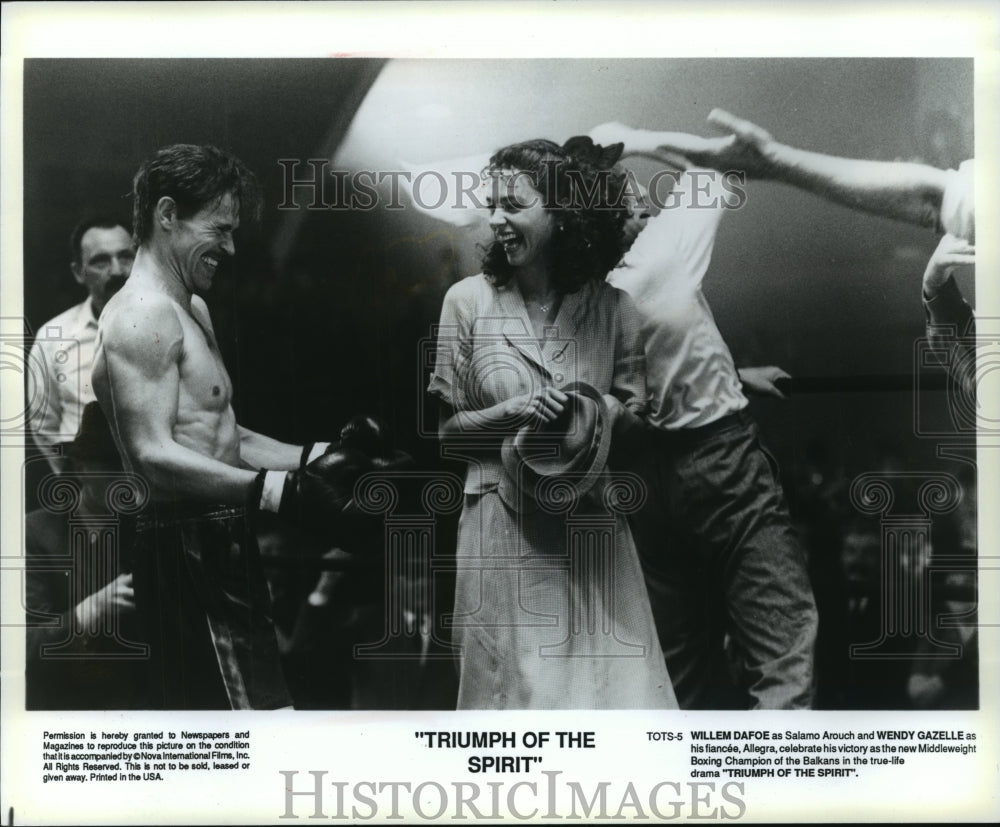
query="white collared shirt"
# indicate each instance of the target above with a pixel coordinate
(60, 364)
(690, 374)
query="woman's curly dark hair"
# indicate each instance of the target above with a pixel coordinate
(577, 182)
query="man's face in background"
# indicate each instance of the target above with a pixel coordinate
(106, 256)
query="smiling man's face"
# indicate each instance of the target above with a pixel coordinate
(205, 239)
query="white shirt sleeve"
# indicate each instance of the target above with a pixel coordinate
(43, 399)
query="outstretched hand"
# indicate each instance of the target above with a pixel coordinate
(951, 252)
(747, 148)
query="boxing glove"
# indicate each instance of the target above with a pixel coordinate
(321, 488)
(364, 433)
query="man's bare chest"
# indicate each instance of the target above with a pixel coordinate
(203, 375)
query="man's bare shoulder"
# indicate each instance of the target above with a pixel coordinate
(140, 320)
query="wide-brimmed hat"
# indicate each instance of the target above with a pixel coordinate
(573, 448)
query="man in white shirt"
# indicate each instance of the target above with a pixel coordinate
(727, 564)
(62, 355)
(692, 379)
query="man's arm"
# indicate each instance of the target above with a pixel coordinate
(142, 361)
(259, 451)
(763, 380)
(905, 191)
(950, 253)
(674, 247)
(674, 149)
(950, 320)
(46, 422)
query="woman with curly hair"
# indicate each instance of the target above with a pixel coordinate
(541, 624)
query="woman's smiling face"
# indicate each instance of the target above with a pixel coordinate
(519, 219)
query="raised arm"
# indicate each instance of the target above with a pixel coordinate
(906, 191)
(951, 324)
(951, 252)
(141, 397)
(673, 148)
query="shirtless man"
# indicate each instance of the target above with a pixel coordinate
(161, 381)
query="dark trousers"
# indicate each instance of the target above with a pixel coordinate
(724, 569)
(201, 593)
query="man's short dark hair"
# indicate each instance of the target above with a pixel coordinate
(193, 176)
(103, 222)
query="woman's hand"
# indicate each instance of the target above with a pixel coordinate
(539, 406)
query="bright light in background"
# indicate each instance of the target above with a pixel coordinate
(432, 114)
(409, 113)
(423, 110)
(447, 117)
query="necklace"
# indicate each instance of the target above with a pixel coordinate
(547, 305)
